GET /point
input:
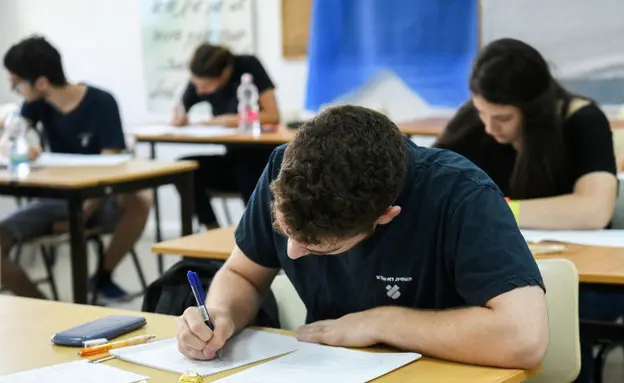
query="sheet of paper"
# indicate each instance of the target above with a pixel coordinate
(189, 130)
(74, 372)
(610, 238)
(316, 363)
(62, 159)
(247, 347)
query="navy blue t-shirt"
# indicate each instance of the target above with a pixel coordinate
(455, 243)
(94, 125)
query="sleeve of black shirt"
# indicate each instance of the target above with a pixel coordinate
(486, 254)
(32, 111)
(254, 234)
(260, 77)
(189, 97)
(590, 142)
(110, 128)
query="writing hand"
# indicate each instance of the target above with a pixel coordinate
(196, 340)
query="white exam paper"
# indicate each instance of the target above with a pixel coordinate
(74, 372)
(609, 238)
(247, 347)
(47, 159)
(189, 130)
(317, 363)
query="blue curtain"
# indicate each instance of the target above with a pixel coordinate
(429, 44)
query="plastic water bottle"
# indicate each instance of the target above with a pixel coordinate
(248, 108)
(19, 163)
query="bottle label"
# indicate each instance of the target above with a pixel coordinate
(19, 158)
(249, 116)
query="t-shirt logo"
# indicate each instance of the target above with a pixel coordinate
(393, 291)
(84, 139)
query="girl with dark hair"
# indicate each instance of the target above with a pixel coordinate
(550, 152)
(215, 77)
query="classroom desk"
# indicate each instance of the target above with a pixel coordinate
(26, 345)
(76, 184)
(216, 244)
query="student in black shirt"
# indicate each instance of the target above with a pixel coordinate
(78, 119)
(550, 152)
(215, 77)
(385, 242)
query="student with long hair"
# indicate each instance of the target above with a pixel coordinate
(215, 76)
(549, 151)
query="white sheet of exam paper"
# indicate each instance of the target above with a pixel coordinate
(80, 371)
(318, 363)
(189, 130)
(247, 347)
(608, 238)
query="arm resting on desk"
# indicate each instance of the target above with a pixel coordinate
(589, 207)
(511, 331)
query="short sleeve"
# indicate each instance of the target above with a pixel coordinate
(486, 253)
(260, 76)
(110, 129)
(255, 234)
(32, 111)
(590, 142)
(189, 97)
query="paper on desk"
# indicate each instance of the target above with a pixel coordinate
(316, 363)
(247, 347)
(74, 372)
(189, 130)
(609, 238)
(63, 159)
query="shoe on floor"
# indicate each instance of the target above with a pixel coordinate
(108, 291)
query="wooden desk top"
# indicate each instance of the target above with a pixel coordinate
(75, 177)
(595, 264)
(26, 345)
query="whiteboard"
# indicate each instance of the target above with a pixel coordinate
(172, 29)
(582, 40)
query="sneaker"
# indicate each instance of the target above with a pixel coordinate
(108, 291)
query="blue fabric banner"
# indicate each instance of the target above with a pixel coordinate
(429, 44)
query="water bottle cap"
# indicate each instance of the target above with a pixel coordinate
(246, 78)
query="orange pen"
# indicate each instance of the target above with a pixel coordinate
(90, 351)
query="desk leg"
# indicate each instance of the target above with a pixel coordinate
(185, 187)
(78, 250)
(161, 265)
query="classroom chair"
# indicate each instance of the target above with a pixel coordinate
(562, 362)
(224, 197)
(292, 311)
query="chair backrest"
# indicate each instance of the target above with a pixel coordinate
(292, 311)
(562, 362)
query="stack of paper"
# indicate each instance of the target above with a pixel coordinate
(316, 363)
(63, 159)
(189, 131)
(609, 238)
(74, 372)
(247, 347)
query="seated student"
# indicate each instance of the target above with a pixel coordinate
(548, 150)
(80, 119)
(215, 77)
(385, 242)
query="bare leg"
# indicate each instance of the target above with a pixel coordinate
(136, 208)
(13, 276)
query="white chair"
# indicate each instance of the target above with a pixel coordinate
(562, 362)
(292, 311)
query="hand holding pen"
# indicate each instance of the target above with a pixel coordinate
(200, 333)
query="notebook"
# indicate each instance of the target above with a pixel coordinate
(74, 372)
(247, 347)
(317, 363)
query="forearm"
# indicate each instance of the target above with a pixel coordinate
(232, 293)
(474, 335)
(566, 212)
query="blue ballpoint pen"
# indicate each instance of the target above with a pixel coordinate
(200, 298)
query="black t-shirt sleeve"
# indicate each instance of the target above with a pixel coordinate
(590, 142)
(486, 254)
(260, 76)
(189, 97)
(110, 129)
(32, 111)
(254, 234)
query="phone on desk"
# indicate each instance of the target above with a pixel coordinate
(108, 327)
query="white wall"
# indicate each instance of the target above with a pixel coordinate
(100, 44)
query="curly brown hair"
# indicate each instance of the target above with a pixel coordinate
(339, 175)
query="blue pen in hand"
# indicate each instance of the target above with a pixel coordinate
(200, 298)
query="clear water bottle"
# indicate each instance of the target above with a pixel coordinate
(248, 108)
(16, 128)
